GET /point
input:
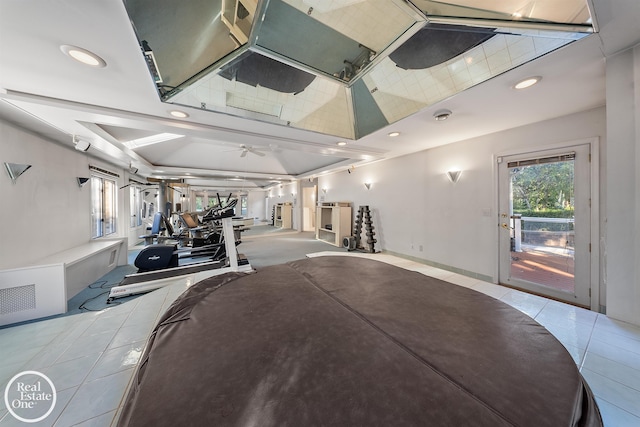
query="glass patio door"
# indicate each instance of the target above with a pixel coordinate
(545, 223)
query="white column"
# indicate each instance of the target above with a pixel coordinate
(622, 192)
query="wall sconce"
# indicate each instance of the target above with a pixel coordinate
(82, 181)
(454, 176)
(15, 170)
(324, 190)
(368, 185)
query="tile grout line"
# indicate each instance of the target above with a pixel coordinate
(586, 349)
(84, 380)
(120, 405)
(609, 402)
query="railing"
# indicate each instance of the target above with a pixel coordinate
(529, 234)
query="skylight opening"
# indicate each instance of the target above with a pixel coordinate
(153, 139)
(349, 71)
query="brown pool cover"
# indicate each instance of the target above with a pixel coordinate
(346, 341)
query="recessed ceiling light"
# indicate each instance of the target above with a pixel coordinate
(341, 143)
(83, 56)
(394, 134)
(528, 82)
(441, 115)
(179, 114)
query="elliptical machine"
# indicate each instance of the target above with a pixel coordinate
(158, 263)
(213, 248)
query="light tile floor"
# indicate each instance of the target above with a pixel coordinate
(91, 357)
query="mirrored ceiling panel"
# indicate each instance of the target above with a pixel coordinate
(181, 39)
(336, 38)
(255, 86)
(238, 16)
(345, 68)
(440, 61)
(548, 11)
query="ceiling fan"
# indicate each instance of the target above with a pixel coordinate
(245, 149)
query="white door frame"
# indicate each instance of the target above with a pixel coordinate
(594, 145)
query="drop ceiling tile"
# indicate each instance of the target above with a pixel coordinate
(544, 45)
(521, 49)
(440, 72)
(446, 87)
(494, 44)
(475, 55)
(456, 65)
(479, 71)
(214, 98)
(499, 62)
(462, 79)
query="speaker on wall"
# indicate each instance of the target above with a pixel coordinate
(80, 145)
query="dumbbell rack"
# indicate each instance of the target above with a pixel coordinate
(364, 215)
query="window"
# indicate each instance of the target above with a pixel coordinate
(213, 201)
(243, 205)
(103, 206)
(135, 206)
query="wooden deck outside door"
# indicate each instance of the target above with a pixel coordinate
(547, 256)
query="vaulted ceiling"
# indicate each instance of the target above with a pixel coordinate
(270, 88)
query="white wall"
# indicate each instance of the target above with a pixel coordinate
(39, 212)
(255, 205)
(285, 193)
(418, 212)
(622, 242)
(308, 204)
(46, 211)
